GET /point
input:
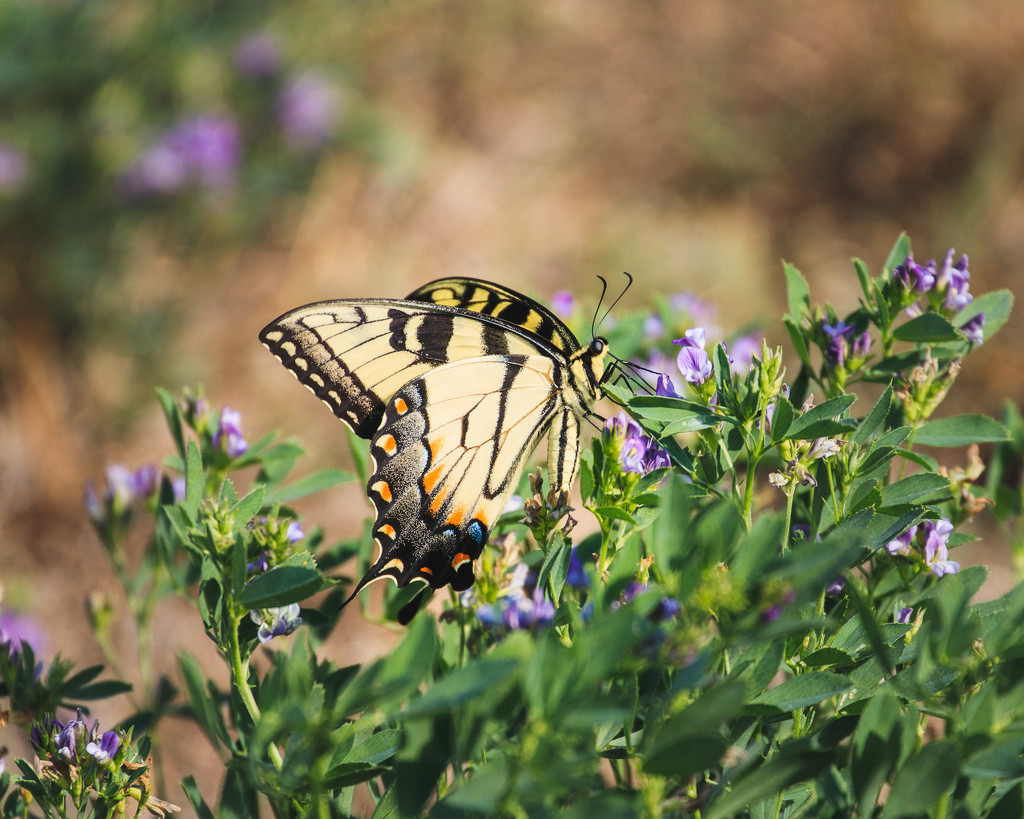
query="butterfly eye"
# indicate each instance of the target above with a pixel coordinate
(597, 345)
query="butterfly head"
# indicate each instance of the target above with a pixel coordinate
(588, 368)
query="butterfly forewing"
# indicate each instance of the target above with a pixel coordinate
(355, 355)
(501, 302)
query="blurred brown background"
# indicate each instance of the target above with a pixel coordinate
(695, 145)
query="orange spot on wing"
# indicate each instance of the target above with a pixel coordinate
(387, 530)
(383, 489)
(456, 517)
(436, 446)
(431, 478)
(396, 564)
(425, 570)
(459, 559)
(436, 505)
(388, 444)
(400, 406)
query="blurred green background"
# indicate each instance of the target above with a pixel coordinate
(173, 175)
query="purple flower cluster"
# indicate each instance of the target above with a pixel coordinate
(124, 486)
(13, 169)
(638, 453)
(228, 436)
(563, 304)
(71, 743)
(307, 109)
(18, 630)
(667, 608)
(258, 56)
(936, 551)
(946, 288)
(523, 606)
(202, 151)
(841, 343)
(277, 621)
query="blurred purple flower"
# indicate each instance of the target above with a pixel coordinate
(228, 435)
(276, 621)
(294, 531)
(835, 588)
(697, 309)
(13, 169)
(654, 327)
(862, 345)
(563, 304)
(258, 56)
(903, 544)
(259, 565)
(973, 328)
(744, 350)
(904, 614)
(145, 481)
(104, 750)
(18, 630)
(522, 612)
(204, 149)
(936, 554)
(575, 576)
(307, 108)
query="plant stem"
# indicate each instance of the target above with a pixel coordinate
(240, 674)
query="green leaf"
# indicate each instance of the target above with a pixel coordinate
(614, 513)
(827, 656)
(914, 489)
(173, 416)
(927, 328)
(797, 291)
(195, 799)
(462, 685)
(920, 783)
(194, 481)
(782, 419)
(205, 707)
(806, 689)
(247, 508)
(556, 564)
(898, 255)
(995, 305)
(961, 430)
(807, 425)
(290, 582)
(481, 796)
(619, 394)
(777, 774)
(864, 277)
(874, 419)
(311, 484)
(999, 761)
(690, 741)
(876, 746)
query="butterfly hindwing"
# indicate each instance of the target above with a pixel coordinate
(447, 457)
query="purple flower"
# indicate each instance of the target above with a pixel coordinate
(294, 531)
(104, 750)
(862, 345)
(914, 277)
(654, 327)
(563, 304)
(18, 630)
(575, 577)
(522, 612)
(744, 350)
(633, 590)
(772, 613)
(258, 56)
(633, 454)
(145, 481)
(902, 545)
(259, 565)
(903, 615)
(936, 554)
(665, 388)
(276, 621)
(694, 365)
(973, 328)
(204, 150)
(13, 169)
(307, 108)
(839, 335)
(622, 426)
(228, 435)
(667, 608)
(956, 280)
(835, 588)
(694, 337)
(71, 739)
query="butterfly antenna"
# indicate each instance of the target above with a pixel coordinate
(623, 293)
(593, 321)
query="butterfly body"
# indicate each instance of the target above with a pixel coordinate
(454, 386)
